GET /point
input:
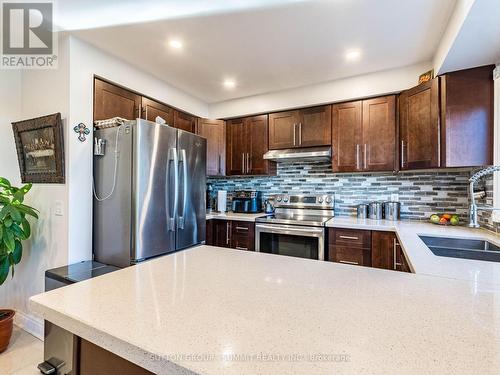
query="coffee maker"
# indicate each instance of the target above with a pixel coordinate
(247, 201)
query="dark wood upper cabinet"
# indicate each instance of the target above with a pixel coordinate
(419, 126)
(283, 130)
(347, 136)
(215, 133)
(307, 127)
(467, 98)
(247, 142)
(315, 126)
(364, 135)
(151, 109)
(114, 101)
(236, 147)
(257, 146)
(184, 121)
(379, 134)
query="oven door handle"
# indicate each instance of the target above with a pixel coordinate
(289, 229)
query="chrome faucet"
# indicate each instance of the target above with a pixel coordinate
(474, 208)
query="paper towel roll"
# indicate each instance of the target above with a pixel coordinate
(221, 200)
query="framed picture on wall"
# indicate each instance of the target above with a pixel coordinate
(40, 149)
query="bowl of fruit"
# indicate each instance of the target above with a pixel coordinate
(445, 219)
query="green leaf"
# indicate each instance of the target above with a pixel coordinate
(17, 254)
(7, 222)
(4, 269)
(4, 212)
(1, 232)
(26, 210)
(4, 182)
(18, 232)
(8, 240)
(15, 214)
(18, 197)
(4, 199)
(26, 228)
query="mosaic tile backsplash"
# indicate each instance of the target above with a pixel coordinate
(421, 193)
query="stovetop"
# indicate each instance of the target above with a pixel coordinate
(295, 219)
(306, 210)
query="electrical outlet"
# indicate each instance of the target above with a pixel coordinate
(58, 208)
(394, 197)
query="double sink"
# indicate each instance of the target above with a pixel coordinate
(462, 248)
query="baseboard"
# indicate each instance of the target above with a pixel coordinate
(29, 323)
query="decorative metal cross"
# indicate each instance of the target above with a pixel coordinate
(82, 130)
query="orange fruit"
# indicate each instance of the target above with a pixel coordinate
(447, 216)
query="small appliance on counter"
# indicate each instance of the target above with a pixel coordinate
(269, 206)
(247, 202)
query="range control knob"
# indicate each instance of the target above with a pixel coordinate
(328, 199)
(285, 199)
(320, 199)
(278, 198)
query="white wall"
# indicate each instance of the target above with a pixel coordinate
(85, 62)
(34, 93)
(339, 90)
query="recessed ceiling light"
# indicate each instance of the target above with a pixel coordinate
(175, 43)
(229, 83)
(353, 55)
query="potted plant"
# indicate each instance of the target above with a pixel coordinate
(14, 229)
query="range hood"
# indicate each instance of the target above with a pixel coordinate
(300, 154)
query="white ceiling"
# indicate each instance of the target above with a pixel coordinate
(264, 45)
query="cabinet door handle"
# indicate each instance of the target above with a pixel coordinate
(364, 155)
(347, 262)
(241, 248)
(396, 264)
(294, 134)
(402, 154)
(300, 133)
(219, 166)
(242, 163)
(227, 233)
(349, 238)
(241, 228)
(248, 162)
(357, 156)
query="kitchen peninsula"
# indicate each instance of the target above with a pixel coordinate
(209, 310)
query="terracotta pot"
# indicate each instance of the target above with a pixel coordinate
(6, 325)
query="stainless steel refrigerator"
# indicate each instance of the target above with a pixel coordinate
(149, 191)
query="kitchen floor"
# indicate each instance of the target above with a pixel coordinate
(23, 355)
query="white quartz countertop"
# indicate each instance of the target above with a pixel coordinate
(210, 310)
(420, 257)
(234, 216)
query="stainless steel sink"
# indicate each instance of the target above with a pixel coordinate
(462, 248)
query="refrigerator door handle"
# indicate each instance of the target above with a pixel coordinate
(171, 211)
(183, 161)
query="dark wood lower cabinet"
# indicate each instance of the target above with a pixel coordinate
(232, 234)
(366, 248)
(387, 252)
(243, 235)
(350, 246)
(94, 360)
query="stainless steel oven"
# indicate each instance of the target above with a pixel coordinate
(297, 227)
(291, 240)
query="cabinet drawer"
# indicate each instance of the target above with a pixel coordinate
(242, 235)
(351, 237)
(350, 255)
